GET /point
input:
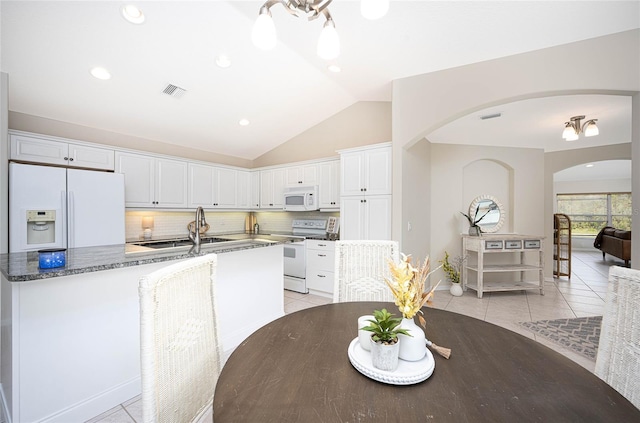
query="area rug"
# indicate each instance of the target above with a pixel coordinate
(581, 334)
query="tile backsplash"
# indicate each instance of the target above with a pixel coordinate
(167, 224)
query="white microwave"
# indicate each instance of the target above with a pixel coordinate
(301, 198)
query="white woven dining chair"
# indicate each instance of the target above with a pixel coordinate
(361, 267)
(618, 359)
(181, 354)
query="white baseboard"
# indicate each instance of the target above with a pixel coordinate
(97, 404)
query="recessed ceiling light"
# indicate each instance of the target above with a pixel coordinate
(590, 165)
(223, 61)
(334, 68)
(243, 122)
(100, 73)
(132, 14)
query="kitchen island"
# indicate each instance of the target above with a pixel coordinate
(70, 336)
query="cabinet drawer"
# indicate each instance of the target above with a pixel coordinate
(513, 245)
(493, 245)
(320, 260)
(320, 281)
(532, 243)
(316, 244)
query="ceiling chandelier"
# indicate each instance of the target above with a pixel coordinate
(264, 36)
(573, 129)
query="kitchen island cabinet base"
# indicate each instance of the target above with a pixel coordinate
(71, 344)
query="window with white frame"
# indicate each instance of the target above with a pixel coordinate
(591, 212)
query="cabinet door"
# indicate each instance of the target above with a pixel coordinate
(329, 184)
(243, 189)
(301, 175)
(352, 171)
(139, 179)
(272, 188)
(266, 189)
(200, 185)
(225, 188)
(255, 190)
(91, 157)
(378, 171)
(352, 218)
(171, 185)
(377, 217)
(278, 188)
(38, 150)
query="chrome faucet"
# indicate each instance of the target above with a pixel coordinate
(199, 223)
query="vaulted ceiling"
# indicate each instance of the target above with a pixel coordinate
(48, 48)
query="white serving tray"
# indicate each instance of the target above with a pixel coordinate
(407, 373)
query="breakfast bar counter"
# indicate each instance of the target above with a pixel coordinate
(71, 335)
(19, 267)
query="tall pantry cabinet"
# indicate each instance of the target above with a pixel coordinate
(365, 193)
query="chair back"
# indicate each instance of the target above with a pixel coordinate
(618, 359)
(361, 268)
(180, 348)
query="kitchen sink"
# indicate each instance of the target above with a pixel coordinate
(177, 243)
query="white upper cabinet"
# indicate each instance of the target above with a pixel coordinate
(301, 175)
(255, 189)
(366, 171)
(272, 188)
(329, 184)
(212, 187)
(58, 152)
(152, 181)
(244, 189)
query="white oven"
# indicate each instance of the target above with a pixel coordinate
(301, 198)
(295, 255)
(295, 266)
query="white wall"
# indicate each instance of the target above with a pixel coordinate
(586, 187)
(516, 179)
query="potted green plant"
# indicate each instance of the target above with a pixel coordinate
(474, 228)
(452, 270)
(384, 339)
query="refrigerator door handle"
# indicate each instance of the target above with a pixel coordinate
(70, 219)
(63, 218)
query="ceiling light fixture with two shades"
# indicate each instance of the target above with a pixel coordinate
(264, 30)
(573, 128)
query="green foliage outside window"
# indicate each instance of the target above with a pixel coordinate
(591, 212)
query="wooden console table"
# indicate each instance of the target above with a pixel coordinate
(510, 254)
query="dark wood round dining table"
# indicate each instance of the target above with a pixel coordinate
(296, 369)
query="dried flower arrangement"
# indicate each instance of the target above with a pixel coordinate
(408, 286)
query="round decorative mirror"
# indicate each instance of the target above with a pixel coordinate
(487, 212)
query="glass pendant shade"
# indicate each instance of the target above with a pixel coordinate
(374, 9)
(569, 132)
(591, 129)
(329, 42)
(263, 34)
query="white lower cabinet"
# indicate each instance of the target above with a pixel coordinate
(365, 217)
(320, 267)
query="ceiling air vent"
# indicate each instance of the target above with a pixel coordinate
(491, 116)
(174, 91)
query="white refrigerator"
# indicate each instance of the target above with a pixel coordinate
(54, 207)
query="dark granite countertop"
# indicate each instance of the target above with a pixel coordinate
(21, 267)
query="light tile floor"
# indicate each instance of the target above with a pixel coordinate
(582, 295)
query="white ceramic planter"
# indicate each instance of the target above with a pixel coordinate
(385, 357)
(364, 336)
(456, 289)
